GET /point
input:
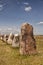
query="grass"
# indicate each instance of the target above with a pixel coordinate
(11, 56)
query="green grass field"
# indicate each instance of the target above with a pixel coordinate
(11, 56)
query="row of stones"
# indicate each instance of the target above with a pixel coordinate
(25, 41)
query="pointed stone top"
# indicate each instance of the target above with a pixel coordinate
(11, 34)
(25, 24)
(16, 34)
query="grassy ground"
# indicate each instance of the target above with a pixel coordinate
(10, 56)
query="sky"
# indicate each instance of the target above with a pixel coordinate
(13, 13)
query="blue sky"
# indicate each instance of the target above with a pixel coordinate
(15, 12)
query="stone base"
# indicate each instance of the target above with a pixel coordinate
(9, 41)
(30, 52)
(15, 44)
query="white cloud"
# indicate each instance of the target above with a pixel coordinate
(27, 9)
(40, 23)
(1, 7)
(0, 29)
(26, 3)
(9, 29)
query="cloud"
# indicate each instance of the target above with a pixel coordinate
(26, 3)
(0, 29)
(40, 23)
(18, 2)
(9, 29)
(1, 7)
(27, 9)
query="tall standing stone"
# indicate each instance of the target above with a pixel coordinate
(5, 38)
(27, 41)
(10, 39)
(2, 37)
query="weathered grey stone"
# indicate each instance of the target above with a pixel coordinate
(10, 39)
(2, 37)
(27, 41)
(5, 38)
(15, 42)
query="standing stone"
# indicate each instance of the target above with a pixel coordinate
(10, 39)
(15, 42)
(2, 37)
(27, 41)
(5, 38)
